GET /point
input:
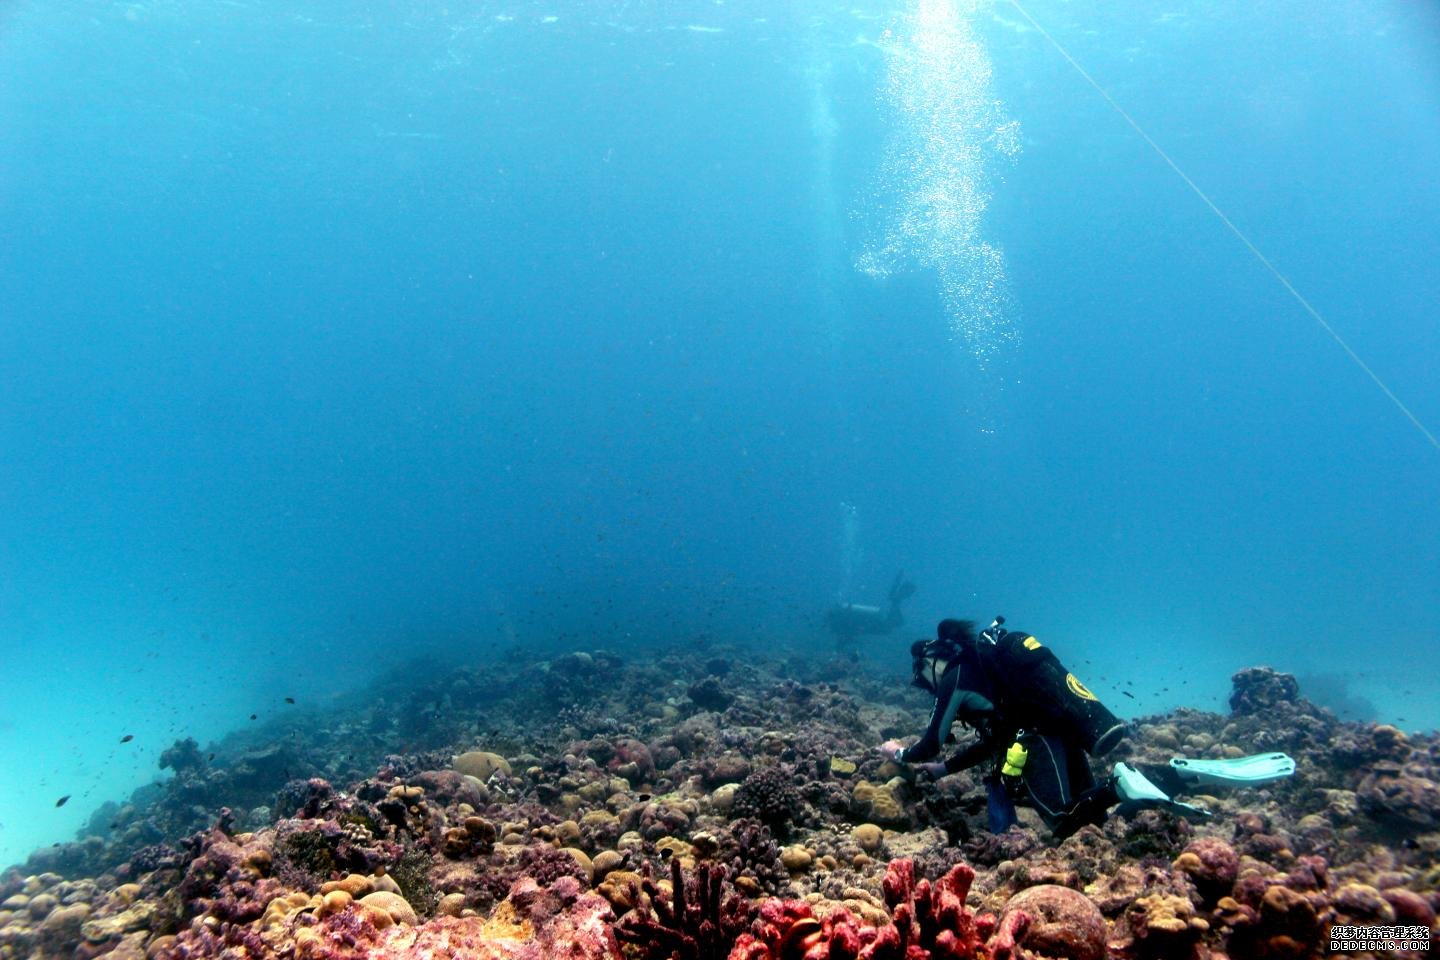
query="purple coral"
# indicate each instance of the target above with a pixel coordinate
(768, 795)
(1258, 689)
(751, 853)
(699, 920)
(307, 799)
(225, 880)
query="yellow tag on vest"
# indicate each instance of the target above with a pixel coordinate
(1031, 643)
(1078, 688)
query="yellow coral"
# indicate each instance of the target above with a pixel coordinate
(395, 907)
(481, 764)
(869, 836)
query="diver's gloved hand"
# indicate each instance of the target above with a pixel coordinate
(935, 768)
(890, 750)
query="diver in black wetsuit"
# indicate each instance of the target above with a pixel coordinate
(1037, 723)
(849, 621)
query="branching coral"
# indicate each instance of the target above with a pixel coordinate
(700, 919)
(769, 796)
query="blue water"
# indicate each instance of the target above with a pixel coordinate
(335, 340)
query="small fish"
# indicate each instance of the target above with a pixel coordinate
(289, 699)
(1128, 694)
(252, 716)
(63, 800)
(209, 758)
(127, 738)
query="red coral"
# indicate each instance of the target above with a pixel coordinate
(929, 922)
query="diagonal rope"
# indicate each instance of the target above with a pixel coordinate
(1239, 234)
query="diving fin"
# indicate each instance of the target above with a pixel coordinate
(1241, 772)
(901, 589)
(1137, 793)
(1133, 785)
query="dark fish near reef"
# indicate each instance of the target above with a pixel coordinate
(289, 699)
(127, 738)
(63, 800)
(252, 716)
(1128, 694)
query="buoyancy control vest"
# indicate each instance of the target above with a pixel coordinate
(1035, 690)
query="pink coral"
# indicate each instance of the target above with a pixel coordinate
(1212, 864)
(929, 922)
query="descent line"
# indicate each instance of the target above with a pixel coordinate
(1239, 235)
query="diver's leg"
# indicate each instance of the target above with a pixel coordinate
(1047, 777)
(999, 808)
(1091, 807)
(1165, 777)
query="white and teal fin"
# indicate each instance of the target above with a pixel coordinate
(1137, 792)
(1241, 772)
(1133, 785)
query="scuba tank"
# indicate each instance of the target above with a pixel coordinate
(1039, 692)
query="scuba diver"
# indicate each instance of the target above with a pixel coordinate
(1038, 725)
(849, 621)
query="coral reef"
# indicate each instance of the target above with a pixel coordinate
(926, 922)
(707, 806)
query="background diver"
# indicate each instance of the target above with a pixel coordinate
(1038, 725)
(850, 621)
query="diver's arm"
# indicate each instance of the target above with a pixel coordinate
(929, 743)
(977, 752)
(977, 712)
(947, 705)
